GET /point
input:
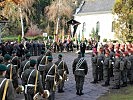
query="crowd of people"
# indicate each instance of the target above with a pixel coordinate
(43, 77)
(114, 61)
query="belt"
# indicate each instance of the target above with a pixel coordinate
(80, 69)
(49, 75)
(41, 65)
(31, 85)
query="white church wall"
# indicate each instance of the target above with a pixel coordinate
(105, 20)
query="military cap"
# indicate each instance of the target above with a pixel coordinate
(28, 55)
(117, 54)
(60, 56)
(33, 62)
(3, 67)
(50, 58)
(126, 53)
(7, 57)
(14, 51)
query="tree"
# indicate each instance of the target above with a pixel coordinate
(123, 9)
(59, 12)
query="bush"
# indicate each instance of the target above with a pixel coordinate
(104, 40)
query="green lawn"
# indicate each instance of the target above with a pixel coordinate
(120, 94)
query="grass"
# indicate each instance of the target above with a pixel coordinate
(120, 94)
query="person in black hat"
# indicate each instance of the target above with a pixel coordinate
(63, 71)
(51, 75)
(80, 69)
(11, 71)
(25, 64)
(10, 95)
(29, 78)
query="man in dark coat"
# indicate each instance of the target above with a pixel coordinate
(10, 95)
(82, 48)
(62, 70)
(80, 69)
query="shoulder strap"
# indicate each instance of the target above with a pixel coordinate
(80, 63)
(60, 63)
(2, 82)
(5, 89)
(11, 68)
(14, 58)
(8, 65)
(46, 60)
(50, 68)
(30, 75)
(42, 59)
(25, 65)
(36, 82)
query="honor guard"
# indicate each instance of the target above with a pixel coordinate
(63, 71)
(94, 67)
(51, 77)
(82, 48)
(6, 86)
(31, 81)
(80, 69)
(25, 64)
(116, 72)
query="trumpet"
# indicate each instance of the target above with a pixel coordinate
(20, 89)
(45, 94)
(65, 77)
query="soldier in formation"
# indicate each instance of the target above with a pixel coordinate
(80, 69)
(62, 71)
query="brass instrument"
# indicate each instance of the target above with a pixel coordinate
(45, 94)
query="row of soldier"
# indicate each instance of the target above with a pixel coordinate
(39, 75)
(113, 61)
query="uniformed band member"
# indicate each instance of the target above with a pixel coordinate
(31, 80)
(63, 71)
(11, 71)
(51, 76)
(80, 69)
(25, 64)
(5, 85)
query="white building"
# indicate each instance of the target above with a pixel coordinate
(92, 13)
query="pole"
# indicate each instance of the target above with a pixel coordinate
(22, 24)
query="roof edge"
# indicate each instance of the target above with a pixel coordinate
(91, 13)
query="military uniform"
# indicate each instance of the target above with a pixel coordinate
(50, 72)
(80, 69)
(106, 74)
(62, 70)
(10, 95)
(116, 72)
(23, 66)
(82, 49)
(11, 71)
(94, 68)
(100, 60)
(131, 69)
(29, 80)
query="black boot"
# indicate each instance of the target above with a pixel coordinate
(116, 87)
(94, 82)
(106, 84)
(77, 92)
(81, 93)
(124, 84)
